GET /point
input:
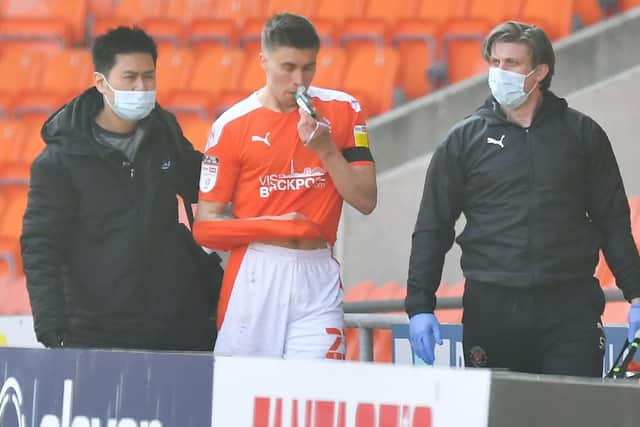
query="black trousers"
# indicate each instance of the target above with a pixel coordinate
(547, 330)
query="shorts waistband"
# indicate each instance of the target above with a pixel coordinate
(289, 252)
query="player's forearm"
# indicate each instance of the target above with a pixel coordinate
(356, 184)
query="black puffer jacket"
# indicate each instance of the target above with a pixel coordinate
(100, 242)
(539, 203)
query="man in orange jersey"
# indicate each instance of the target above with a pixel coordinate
(286, 175)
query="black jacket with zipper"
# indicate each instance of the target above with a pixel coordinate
(100, 241)
(539, 204)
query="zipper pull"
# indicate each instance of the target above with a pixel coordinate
(133, 172)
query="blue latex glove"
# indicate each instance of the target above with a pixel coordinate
(634, 321)
(424, 333)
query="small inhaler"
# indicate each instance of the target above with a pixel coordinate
(304, 102)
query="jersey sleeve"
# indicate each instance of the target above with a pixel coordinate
(220, 164)
(356, 140)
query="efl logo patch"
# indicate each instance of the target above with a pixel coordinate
(208, 173)
(360, 136)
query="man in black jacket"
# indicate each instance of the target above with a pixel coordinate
(103, 253)
(542, 194)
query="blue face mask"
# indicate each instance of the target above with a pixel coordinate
(131, 105)
(507, 87)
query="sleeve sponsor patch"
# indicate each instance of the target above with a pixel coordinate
(209, 173)
(360, 136)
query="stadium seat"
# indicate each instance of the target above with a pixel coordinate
(55, 88)
(330, 67)
(210, 33)
(440, 12)
(629, 4)
(196, 130)
(300, 7)
(493, 12)
(462, 41)
(168, 33)
(14, 298)
(337, 10)
(374, 25)
(557, 24)
(239, 11)
(34, 33)
(12, 138)
(43, 19)
(416, 43)
(358, 292)
(187, 10)
(20, 70)
(371, 77)
(382, 337)
(249, 39)
(139, 10)
(100, 8)
(11, 227)
(173, 71)
(587, 12)
(202, 91)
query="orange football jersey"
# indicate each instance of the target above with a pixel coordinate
(255, 159)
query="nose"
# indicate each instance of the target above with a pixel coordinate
(298, 77)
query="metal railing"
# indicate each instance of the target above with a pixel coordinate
(366, 316)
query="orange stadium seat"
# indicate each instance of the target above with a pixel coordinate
(63, 19)
(213, 72)
(139, 10)
(238, 11)
(166, 32)
(493, 11)
(196, 130)
(187, 10)
(462, 41)
(11, 226)
(358, 292)
(20, 70)
(34, 33)
(371, 77)
(300, 7)
(416, 43)
(55, 88)
(382, 337)
(209, 33)
(374, 25)
(337, 10)
(441, 11)
(100, 8)
(173, 71)
(14, 298)
(587, 12)
(33, 145)
(12, 136)
(250, 34)
(629, 4)
(330, 67)
(557, 24)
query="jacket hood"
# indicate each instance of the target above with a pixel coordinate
(73, 121)
(551, 103)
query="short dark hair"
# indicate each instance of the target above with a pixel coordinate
(540, 49)
(121, 40)
(289, 30)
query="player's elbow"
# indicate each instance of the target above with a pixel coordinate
(368, 206)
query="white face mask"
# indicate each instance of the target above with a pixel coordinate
(131, 105)
(507, 87)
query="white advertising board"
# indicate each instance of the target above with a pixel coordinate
(260, 392)
(17, 331)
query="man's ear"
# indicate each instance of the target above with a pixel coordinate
(98, 80)
(541, 74)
